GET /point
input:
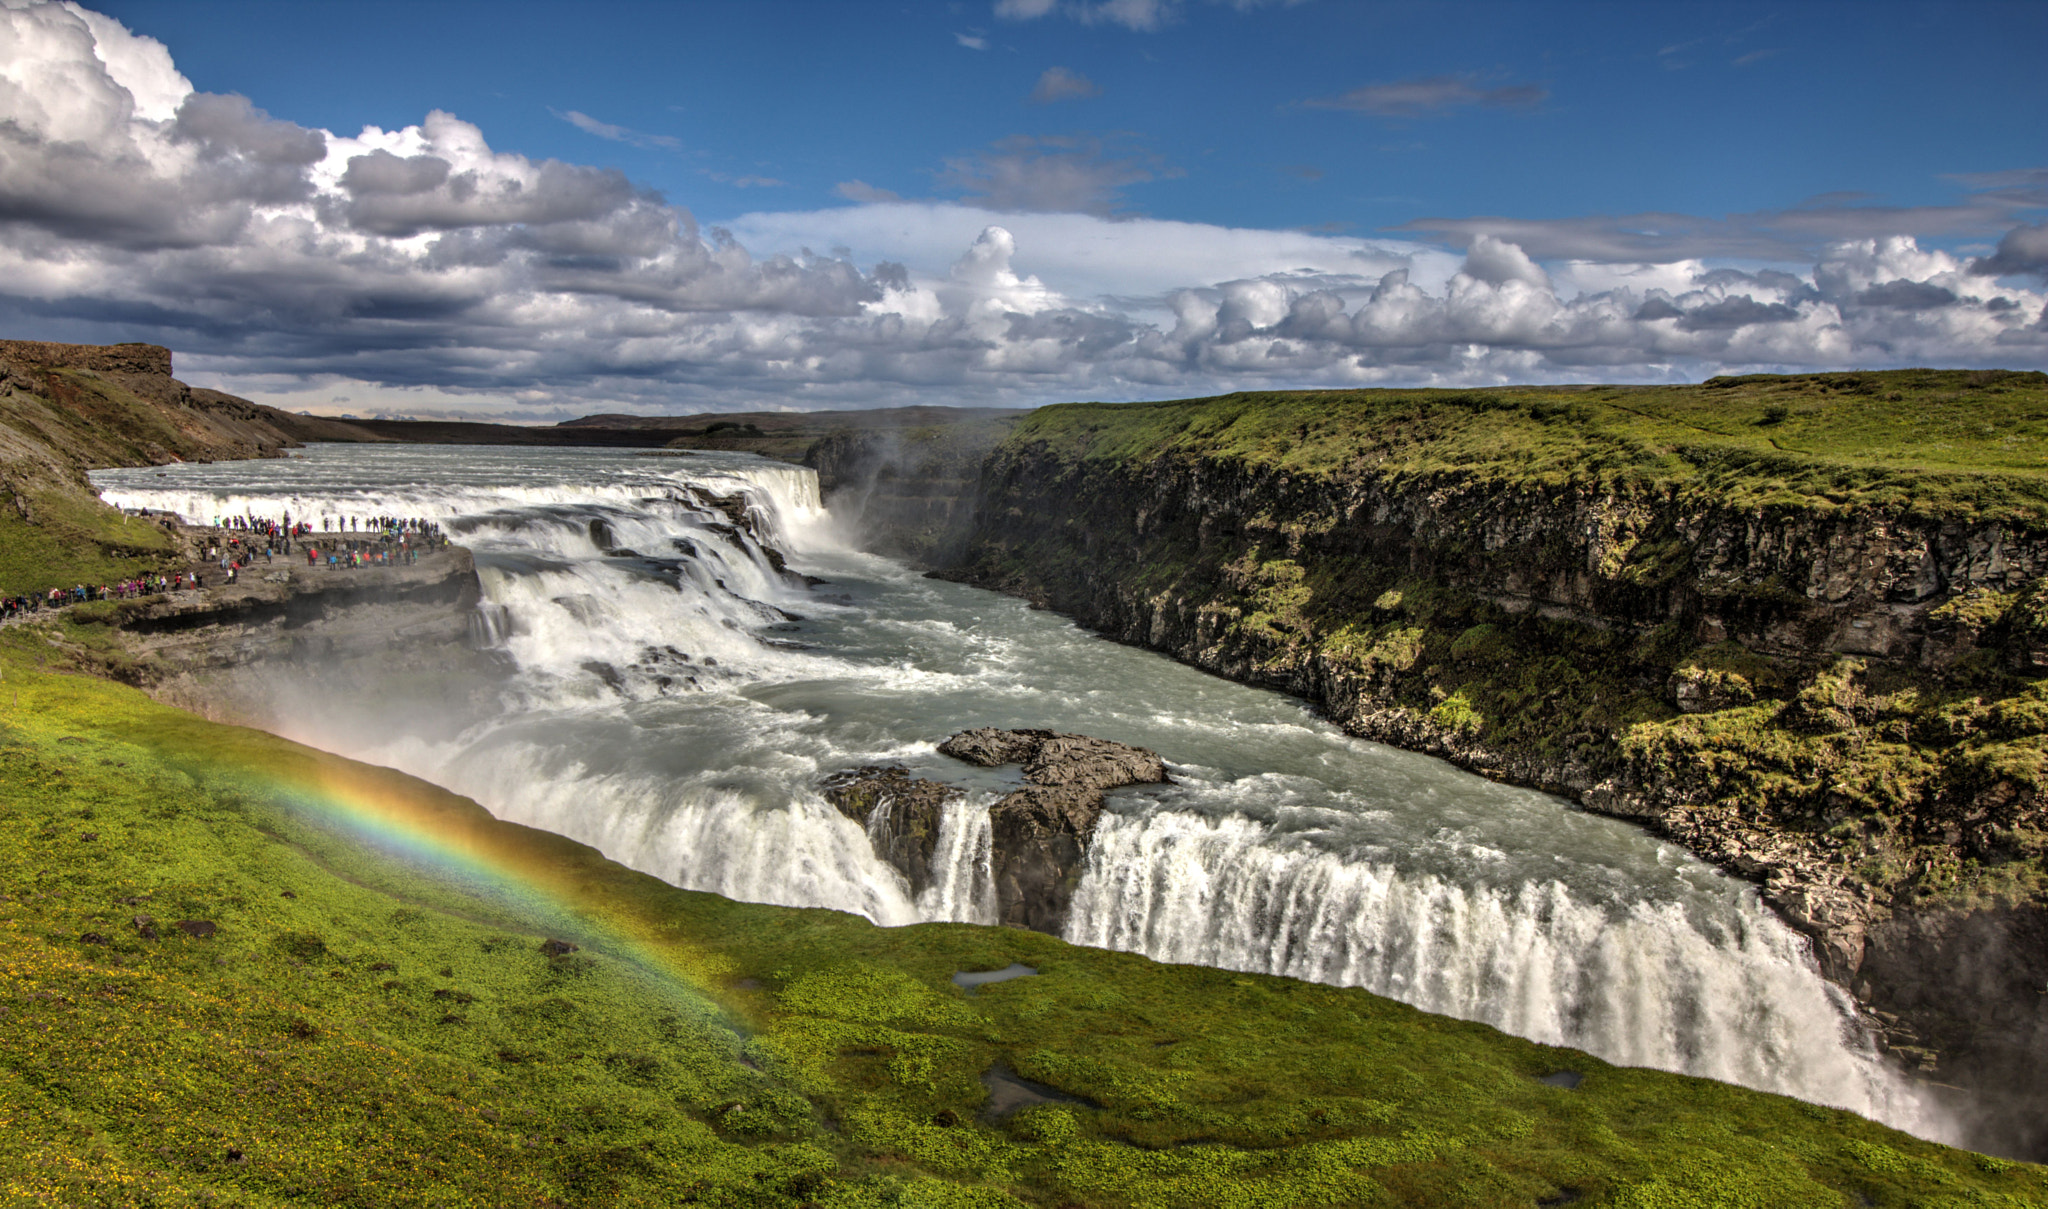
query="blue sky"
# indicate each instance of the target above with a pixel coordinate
(1030, 200)
(1687, 107)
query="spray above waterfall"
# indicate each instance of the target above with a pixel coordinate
(685, 650)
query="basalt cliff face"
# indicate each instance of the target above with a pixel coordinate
(1837, 697)
(1038, 834)
(909, 491)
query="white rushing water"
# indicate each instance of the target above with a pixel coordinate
(675, 699)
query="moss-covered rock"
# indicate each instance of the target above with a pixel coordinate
(1809, 650)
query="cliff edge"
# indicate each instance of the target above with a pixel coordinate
(1798, 625)
(69, 408)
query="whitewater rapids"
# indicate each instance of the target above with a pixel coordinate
(672, 697)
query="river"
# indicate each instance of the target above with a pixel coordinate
(675, 701)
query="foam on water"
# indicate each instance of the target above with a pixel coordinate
(677, 707)
(1731, 995)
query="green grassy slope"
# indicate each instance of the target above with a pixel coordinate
(74, 539)
(368, 1026)
(54, 425)
(1952, 442)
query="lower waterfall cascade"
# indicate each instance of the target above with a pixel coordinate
(681, 649)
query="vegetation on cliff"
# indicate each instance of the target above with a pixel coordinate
(238, 971)
(1797, 624)
(66, 409)
(1917, 776)
(1948, 442)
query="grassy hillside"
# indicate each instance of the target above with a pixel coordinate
(372, 1019)
(73, 539)
(1951, 442)
(58, 421)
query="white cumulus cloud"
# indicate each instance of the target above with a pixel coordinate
(421, 269)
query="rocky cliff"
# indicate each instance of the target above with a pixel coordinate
(1797, 625)
(1039, 834)
(910, 492)
(272, 645)
(69, 408)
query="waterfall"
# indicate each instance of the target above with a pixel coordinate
(669, 693)
(962, 889)
(1735, 998)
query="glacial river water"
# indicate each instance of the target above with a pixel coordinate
(676, 708)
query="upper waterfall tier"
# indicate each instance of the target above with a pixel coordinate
(676, 683)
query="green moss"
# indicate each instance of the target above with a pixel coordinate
(1455, 712)
(371, 1024)
(1945, 443)
(1976, 608)
(1725, 674)
(1483, 643)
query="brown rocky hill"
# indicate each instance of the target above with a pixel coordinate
(69, 408)
(74, 407)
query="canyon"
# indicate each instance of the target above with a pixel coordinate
(1831, 690)
(1828, 691)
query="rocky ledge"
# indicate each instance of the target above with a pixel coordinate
(281, 613)
(228, 651)
(1039, 833)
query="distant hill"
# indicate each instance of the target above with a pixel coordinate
(69, 408)
(787, 435)
(473, 432)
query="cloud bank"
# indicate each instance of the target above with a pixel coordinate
(1059, 84)
(1431, 95)
(290, 262)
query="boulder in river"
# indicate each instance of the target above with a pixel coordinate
(1041, 832)
(900, 812)
(1059, 760)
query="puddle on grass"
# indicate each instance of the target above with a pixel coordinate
(1567, 1079)
(983, 977)
(1009, 1092)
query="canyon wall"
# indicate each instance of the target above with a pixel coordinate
(1834, 693)
(909, 492)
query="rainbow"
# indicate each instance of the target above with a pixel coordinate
(537, 880)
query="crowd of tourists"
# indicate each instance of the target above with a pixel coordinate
(342, 541)
(236, 542)
(127, 589)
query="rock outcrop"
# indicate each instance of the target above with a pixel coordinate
(242, 652)
(100, 358)
(900, 812)
(1039, 833)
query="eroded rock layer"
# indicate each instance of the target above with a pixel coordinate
(1826, 676)
(1039, 833)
